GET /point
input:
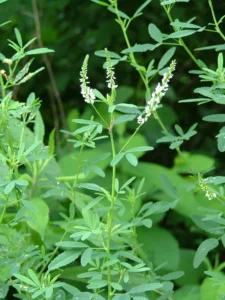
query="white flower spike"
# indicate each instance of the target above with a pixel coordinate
(157, 95)
(86, 91)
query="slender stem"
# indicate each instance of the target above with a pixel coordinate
(110, 217)
(181, 42)
(4, 210)
(215, 20)
(130, 139)
(132, 57)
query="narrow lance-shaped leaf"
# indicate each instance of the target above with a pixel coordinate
(63, 259)
(203, 250)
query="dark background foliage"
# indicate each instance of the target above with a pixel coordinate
(74, 28)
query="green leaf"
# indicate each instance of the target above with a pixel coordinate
(39, 51)
(24, 279)
(155, 33)
(215, 118)
(2, 1)
(180, 34)
(168, 186)
(9, 187)
(220, 62)
(34, 277)
(120, 13)
(117, 159)
(112, 54)
(98, 171)
(139, 10)
(140, 149)
(221, 139)
(163, 248)
(140, 48)
(63, 259)
(38, 219)
(23, 72)
(131, 158)
(203, 250)
(173, 275)
(125, 118)
(168, 2)
(39, 127)
(184, 25)
(71, 244)
(86, 257)
(166, 57)
(18, 37)
(145, 287)
(100, 2)
(51, 143)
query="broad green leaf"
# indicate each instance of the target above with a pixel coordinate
(63, 259)
(39, 51)
(18, 37)
(146, 287)
(166, 57)
(38, 219)
(203, 250)
(131, 158)
(155, 33)
(1, 1)
(163, 248)
(215, 118)
(210, 290)
(193, 163)
(191, 275)
(9, 187)
(188, 292)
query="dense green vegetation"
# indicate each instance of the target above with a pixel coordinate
(111, 158)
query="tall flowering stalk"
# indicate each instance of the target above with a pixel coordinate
(157, 95)
(86, 91)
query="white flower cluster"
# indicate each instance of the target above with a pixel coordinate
(157, 95)
(110, 74)
(202, 183)
(86, 91)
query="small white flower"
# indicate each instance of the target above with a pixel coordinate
(86, 91)
(159, 92)
(110, 74)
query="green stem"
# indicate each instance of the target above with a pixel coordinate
(181, 42)
(4, 210)
(215, 20)
(132, 57)
(130, 139)
(110, 217)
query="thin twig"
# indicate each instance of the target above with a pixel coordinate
(48, 65)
